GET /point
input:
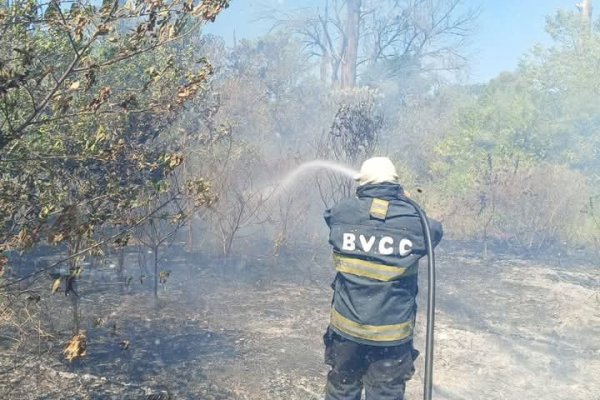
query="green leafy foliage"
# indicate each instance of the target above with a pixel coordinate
(543, 117)
(86, 91)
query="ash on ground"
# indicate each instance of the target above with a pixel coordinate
(506, 328)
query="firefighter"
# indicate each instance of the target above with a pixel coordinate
(377, 241)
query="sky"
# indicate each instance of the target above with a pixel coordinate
(506, 29)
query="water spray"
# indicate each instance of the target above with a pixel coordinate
(288, 181)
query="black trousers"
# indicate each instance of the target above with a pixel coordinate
(382, 370)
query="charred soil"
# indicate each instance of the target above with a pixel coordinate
(506, 328)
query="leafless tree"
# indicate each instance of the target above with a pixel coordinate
(160, 230)
(240, 198)
(350, 36)
(180, 201)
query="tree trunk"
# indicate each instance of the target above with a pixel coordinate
(72, 291)
(155, 249)
(75, 310)
(485, 246)
(324, 68)
(71, 285)
(121, 267)
(350, 55)
(191, 237)
(585, 8)
(228, 245)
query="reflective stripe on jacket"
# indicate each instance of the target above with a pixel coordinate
(377, 241)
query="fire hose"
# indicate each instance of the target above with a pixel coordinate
(427, 381)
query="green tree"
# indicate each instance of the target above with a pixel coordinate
(88, 98)
(542, 117)
(84, 94)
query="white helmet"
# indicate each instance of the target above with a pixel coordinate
(377, 170)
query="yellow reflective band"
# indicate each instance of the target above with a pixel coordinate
(370, 269)
(379, 208)
(376, 333)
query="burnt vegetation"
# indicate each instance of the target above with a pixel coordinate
(147, 251)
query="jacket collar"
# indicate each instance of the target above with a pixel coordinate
(385, 191)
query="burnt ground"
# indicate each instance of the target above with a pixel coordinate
(506, 328)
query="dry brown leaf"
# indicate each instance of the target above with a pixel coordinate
(56, 285)
(3, 263)
(163, 276)
(55, 238)
(102, 30)
(76, 348)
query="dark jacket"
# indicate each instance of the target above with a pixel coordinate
(377, 241)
